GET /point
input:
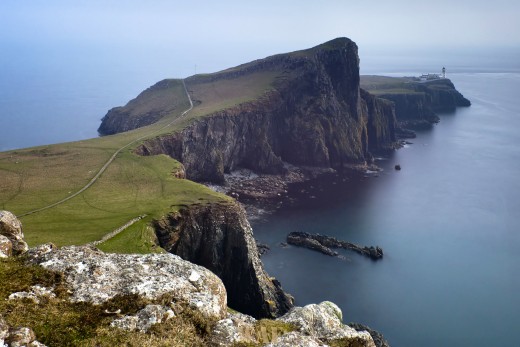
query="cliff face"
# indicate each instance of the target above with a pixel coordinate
(417, 109)
(219, 237)
(316, 116)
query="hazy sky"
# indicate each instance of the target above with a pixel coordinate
(217, 34)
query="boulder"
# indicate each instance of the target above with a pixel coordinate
(144, 319)
(378, 338)
(11, 227)
(17, 337)
(296, 339)
(6, 247)
(235, 329)
(96, 277)
(324, 322)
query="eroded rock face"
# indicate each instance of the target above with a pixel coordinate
(317, 116)
(219, 237)
(11, 228)
(97, 277)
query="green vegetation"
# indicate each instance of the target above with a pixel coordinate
(58, 322)
(265, 331)
(379, 85)
(132, 185)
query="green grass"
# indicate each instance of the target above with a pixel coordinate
(131, 186)
(138, 238)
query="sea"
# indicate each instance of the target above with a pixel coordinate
(447, 221)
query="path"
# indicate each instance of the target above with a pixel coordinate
(107, 164)
(116, 231)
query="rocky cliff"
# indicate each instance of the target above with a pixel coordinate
(219, 237)
(417, 108)
(316, 115)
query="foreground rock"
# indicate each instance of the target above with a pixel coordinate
(11, 230)
(96, 277)
(378, 338)
(17, 336)
(312, 325)
(219, 237)
(323, 244)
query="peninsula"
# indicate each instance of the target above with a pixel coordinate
(276, 116)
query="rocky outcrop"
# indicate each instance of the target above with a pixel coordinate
(96, 277)
(315, 116)
(219, 237)
(417, 109)
(323, 244)
(378, 338)
(17, 336)
(311, 325)
(144, 319)
(11, 229)
(324, 321)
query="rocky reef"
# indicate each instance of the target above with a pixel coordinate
(324, 244)
(219, 237)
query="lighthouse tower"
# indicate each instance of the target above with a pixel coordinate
(443, 72)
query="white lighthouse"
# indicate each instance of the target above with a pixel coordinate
(443, 72)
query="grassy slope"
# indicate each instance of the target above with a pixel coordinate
(379, 85)
(131, 186)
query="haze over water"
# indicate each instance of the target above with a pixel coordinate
(448, 223)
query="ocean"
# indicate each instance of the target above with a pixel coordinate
(447, 221)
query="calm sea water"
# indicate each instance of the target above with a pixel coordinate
(448, 223)
(450, 276)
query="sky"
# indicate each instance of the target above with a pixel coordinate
(205, 36)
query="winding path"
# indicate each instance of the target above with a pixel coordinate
(107, 164)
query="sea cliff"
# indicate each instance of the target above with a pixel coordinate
(316, 115)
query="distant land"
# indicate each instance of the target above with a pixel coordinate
(288, 116)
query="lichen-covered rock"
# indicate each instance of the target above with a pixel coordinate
(11, 227)
(296, 339)
(35, 294)
(236, 328)
(144, 319)
(4, 331)
(96, 277)
(20, 337)
(6, 247)
(324, 322)
(17, 337)
(378, 338)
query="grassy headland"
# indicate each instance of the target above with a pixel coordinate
(131, 186)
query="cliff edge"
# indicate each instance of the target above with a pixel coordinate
(315, 114)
